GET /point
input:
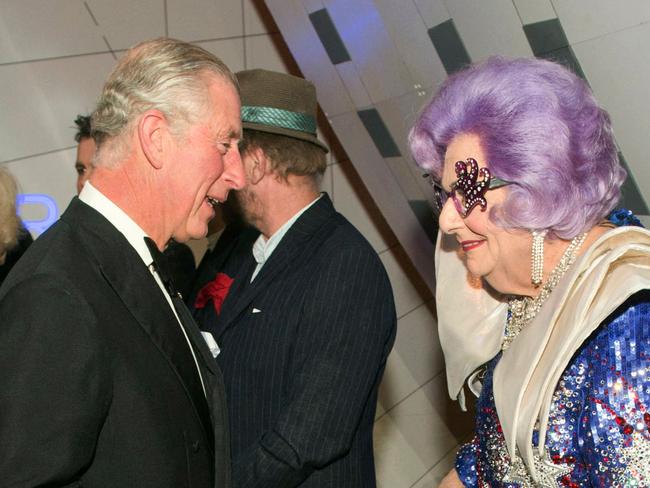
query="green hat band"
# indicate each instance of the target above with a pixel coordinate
(277, 117)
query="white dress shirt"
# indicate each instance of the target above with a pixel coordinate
(263, 248)
(135, 235)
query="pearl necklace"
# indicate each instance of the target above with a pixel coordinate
(522, 310)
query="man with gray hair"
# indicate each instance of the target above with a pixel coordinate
(106, 379)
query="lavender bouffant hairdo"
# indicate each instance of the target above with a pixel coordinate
(541, 128)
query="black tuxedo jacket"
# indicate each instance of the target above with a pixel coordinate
(303, 349)
(95, 387)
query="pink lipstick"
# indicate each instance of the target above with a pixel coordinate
(469, 245)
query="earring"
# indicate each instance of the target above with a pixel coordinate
(537, 266)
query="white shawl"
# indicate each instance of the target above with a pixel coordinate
(471, 325)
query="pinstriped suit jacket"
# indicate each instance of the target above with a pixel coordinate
(303, 350)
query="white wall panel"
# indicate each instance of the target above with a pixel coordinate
(438, 472)
(415, 436)
(618, 69)
(357, 209)
(312, 5)
(204, 19)
(408, 31)
(354, 84)
(397, 463)
(595, 18)
(416, 357)
(40, 100)
(399, 115)
(531, 11)
(310, 54)
(373, 52)
(261, 52)
(230, 51)
(253, 20)
(127, 22)
(407, 297)
(433, 12)
(406, 180)
(37, 29)
(489, 28)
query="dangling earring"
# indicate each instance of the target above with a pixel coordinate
(537, 266)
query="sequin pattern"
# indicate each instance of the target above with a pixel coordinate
(599, 423)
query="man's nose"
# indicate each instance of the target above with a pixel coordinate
(235, 170)
(449, 219)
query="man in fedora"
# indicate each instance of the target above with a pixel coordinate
(309, 319)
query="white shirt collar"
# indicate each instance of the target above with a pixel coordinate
(121, 221)
(263, 248)
(135, 235)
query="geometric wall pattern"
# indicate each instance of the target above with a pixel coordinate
(375, 62)
(385, 57)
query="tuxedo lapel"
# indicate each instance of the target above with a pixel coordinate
(141, 295)
(194, 334)
(293, 247)
(128, 276)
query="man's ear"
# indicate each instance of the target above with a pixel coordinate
(258, 165)
(152, 130)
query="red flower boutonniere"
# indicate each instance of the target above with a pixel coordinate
(215, 290)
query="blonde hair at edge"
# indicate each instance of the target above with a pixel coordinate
(163, 74)
(9, 221)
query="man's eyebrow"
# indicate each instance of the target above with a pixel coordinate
(231, 134)
(224, 137)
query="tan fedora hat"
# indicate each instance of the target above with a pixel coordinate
(279, 104)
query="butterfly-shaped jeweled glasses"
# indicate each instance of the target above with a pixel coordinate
(468, 190)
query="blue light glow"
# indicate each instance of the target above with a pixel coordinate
(37, 227)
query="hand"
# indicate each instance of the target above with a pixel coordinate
(451, 480)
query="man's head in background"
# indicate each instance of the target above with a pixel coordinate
(280, 148)
(85, 150)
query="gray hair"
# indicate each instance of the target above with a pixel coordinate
(163, 74)
(9, 221)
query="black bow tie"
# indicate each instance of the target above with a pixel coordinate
(161, 265)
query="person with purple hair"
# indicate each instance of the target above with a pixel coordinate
(543, 304)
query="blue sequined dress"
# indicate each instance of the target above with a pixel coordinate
(599, 422)
(599, 426)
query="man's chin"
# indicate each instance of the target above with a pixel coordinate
(199, 232)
